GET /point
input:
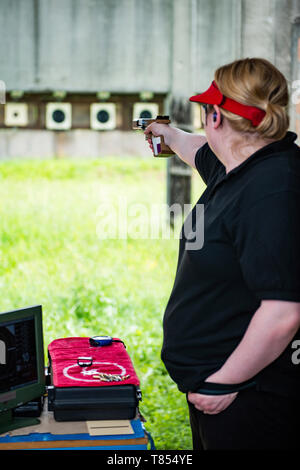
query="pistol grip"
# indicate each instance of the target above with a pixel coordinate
(160, 149)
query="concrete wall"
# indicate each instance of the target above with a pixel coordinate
(128, 46)
(219, 31)
(135, 45)
(45, 144)
(80, 45)
(269, 30)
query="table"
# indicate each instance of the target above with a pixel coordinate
(50, 434)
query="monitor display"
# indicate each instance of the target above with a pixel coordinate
(22, 372)
(18, 357)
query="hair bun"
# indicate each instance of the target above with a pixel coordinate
(275, 123)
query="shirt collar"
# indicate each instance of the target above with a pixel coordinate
(273, 147)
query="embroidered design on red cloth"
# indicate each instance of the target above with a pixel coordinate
(112, 359)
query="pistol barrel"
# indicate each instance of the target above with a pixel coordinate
(142, 123)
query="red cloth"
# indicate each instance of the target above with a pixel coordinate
(112, 359)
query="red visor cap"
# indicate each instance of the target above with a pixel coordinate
(214, 96)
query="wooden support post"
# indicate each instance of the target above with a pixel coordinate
(179, 174)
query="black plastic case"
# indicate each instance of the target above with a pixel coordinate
(93, 403)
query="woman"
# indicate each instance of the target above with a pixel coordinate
(233, 315)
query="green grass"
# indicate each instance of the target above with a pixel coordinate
(52, 253)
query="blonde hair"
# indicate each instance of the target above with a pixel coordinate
(256, 82)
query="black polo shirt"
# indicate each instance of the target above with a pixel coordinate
(251, 252)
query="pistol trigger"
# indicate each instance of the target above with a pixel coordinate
(149, 136)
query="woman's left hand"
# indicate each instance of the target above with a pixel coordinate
(211, 404)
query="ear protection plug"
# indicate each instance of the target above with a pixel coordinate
(215, 115)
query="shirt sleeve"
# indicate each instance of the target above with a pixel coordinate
(267, 243)
(206, 163)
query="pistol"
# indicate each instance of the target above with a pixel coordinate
(160, 149)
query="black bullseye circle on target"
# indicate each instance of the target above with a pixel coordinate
(146, 114)
(103, 116)
(58, 116)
